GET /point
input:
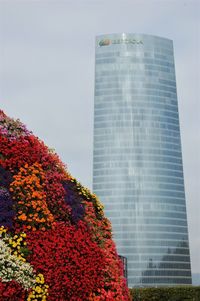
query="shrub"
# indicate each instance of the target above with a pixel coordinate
(183, 293)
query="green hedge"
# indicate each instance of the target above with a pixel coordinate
(183, 293)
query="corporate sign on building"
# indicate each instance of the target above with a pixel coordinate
(107, 42)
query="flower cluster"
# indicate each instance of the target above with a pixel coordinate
(56, 243)
(12, 267)
(18, 246)
(6, 208)
(74, 201)
(88, 196)
(28, 193)
(68, 252)
(12, 128)
(56, 194)
(39, 290)
(12, 291)
(5, 177)
(12, 255)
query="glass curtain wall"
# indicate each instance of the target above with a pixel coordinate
(137, 159)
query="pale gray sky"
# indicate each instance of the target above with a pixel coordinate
(47, 75)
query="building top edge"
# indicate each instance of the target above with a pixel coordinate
(133, 35)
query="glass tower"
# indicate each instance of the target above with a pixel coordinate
(137, 160)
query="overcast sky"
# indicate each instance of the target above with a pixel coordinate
(47, 75)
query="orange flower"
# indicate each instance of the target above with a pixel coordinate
(28, 191)
(23, 217)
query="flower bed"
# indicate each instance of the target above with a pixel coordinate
(55, 242)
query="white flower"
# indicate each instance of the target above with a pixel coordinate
(12, 268)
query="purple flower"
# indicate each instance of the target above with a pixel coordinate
(74, 200)
(5, 177)
(6, 208)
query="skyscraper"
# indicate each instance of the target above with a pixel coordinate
(137, 164)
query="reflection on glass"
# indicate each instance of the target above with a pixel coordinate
(137, 166)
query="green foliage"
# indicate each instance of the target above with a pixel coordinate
(183, 293)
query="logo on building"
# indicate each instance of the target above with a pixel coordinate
(107, 42)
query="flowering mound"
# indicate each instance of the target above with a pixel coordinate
(55, 242)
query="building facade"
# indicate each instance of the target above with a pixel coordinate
(137, 159)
